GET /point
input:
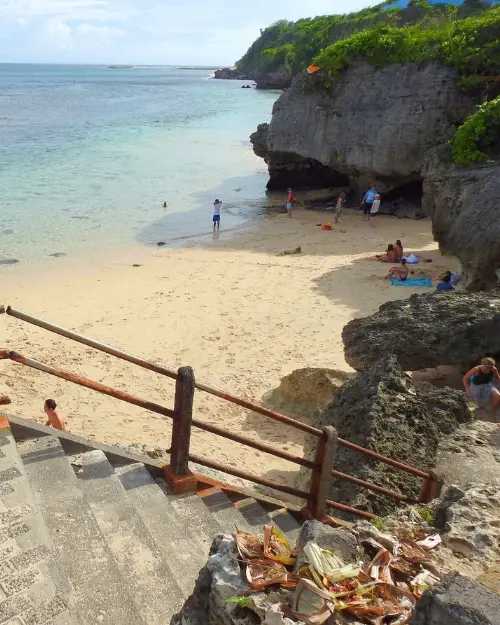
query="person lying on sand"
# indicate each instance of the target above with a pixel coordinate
(389, 256)
(398, 272)
(54, 417)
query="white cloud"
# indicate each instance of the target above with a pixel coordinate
(210, 32)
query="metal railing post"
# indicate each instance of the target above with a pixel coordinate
(431, 487)
(320, 479)
(177, 473)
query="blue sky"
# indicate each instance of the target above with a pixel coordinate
(204, 32)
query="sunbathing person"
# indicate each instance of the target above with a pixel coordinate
(389, 256)
(401, 273)
(398, 247)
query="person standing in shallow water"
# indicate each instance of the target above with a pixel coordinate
(480, 383)
(216, 217)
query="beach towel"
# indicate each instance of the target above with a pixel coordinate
(412, 282)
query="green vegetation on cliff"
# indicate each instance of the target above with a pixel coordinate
(480, 131)
(470, 45)
(293, 45)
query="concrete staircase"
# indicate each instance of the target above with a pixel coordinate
(83, 541)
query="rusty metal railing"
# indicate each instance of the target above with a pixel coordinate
(178, 473)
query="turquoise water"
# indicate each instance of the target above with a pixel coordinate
(88, 155)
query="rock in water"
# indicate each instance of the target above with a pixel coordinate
(458, 601)
(427, 331)
(464, 204)
(383, 411)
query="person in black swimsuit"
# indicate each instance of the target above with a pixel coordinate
(480, 382)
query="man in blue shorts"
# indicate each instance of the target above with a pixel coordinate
(217, 205)
(368, 200)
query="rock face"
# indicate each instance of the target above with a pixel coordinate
(427, 331)
(371, 125)
(470, 517)
(383, 411)
(340, 542)
(464, 204)
(458, 601)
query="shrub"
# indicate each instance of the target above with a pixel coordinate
(470, 46)
(480, 131)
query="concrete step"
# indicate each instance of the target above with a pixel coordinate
(222, 509)
(172, 537)
(99, 593)
(31, 586)
(192, 513)
(149, 580)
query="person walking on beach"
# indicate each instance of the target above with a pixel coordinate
(341, 202)
(216, 218)
(367, 202)
(290, 202)
(54, 418)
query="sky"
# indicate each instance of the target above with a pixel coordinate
(189, 32)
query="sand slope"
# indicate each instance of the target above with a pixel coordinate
(237, 312)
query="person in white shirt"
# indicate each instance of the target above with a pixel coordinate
(374, 209)
(216, 218)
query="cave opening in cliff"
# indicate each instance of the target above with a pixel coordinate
(291, 170)
(406, 196)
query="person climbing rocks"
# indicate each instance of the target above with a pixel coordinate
(367, 202)
(54, 418)
(290, 202)
(480, 382)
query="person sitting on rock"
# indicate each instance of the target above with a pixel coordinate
(479, 384)
(389, 256)
(55, 419)
(401, 273)
(444, 283)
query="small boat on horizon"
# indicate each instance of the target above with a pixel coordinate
(121, 67)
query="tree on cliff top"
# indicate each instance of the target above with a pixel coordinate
(293, 45)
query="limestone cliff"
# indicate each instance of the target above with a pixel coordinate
(368, 125)
(464, 203)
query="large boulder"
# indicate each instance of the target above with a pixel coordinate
(458, 601)
(383, 411)
(427, 331)
(369, 124)
(464, 204)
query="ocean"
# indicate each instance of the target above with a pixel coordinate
(89, 154)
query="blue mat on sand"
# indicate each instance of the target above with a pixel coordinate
(412, 282)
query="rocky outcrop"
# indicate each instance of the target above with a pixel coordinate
(371, 125)
(427, 331)
(464, 204)
(383, 411)
(231, 73)
(470, 518)
(258, 140)
(303, 391)
(458, 601)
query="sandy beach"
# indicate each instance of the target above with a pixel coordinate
(234, 309)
